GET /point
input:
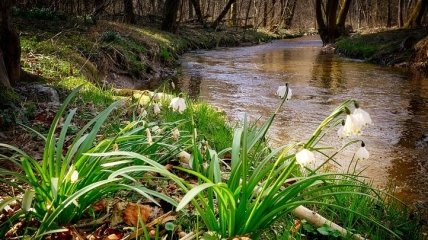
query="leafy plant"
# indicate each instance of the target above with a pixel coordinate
(256, 188)
(70, 178)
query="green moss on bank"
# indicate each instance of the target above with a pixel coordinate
(386, 48)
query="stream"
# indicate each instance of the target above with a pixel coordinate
(245, 79)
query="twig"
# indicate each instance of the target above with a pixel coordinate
(192, 235)
(317, 220)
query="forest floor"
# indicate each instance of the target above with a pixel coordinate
(396, 47)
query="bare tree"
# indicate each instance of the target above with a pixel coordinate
(415, 18)
(169, 22)
(10, 47)
(330, 25)
(223, 13)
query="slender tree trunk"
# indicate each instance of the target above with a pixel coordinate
(247, 14)
(290, 10)
(197, 7)
(389, 15)
(414, 19)
(234, 14)
(265, 15)
(190, 9)
(10, 47)
(169, 22)
(223, 13)
(400, 13)
(129, 11)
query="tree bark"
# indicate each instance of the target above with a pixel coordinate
(223, 13)
(197, 6)
(331, 26)
(129, 11)
(10, 47)
(400, 13)
(169, 22)
(414, 19)
(290, 10)
(4, 78)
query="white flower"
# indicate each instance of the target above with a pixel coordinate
(173, 85)
(184, 157)
(74, 176)
(27, 200)
(149, 136)
(362, 153)
(156, 109)
(143, 113)
(352, 126)
(340, 132)
(175, 134)
(157, 130)
(282, 90)
(156, 97)
(178, 104)
(305, 157)
(362, 117)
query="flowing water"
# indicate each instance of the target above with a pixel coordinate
(244, 80)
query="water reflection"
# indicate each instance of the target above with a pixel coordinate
(245, 79)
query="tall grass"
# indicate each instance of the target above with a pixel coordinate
(68, 180)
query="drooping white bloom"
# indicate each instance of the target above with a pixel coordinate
(173, 85)
(74, 176)
(362, 153)
(352, 126)
(362, 117)
(178, 104)
(27, 200)
(143, 113)
(304, 157)
(156, 129)
(156, 97)
(175, 134)
(282, 90)
(340, 132)
(156, 109)
(149, 136)
(184, 157)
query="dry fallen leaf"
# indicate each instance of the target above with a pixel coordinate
(112, 237)
(99, 206)
(134, 212)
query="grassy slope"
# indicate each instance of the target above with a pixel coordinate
(382, 47)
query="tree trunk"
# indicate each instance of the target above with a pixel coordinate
(247, 14)
(129, 11)
(290, 10)
(4, 77)
(265, 15)
(190, 9)
(414, 19)
(10, 47)
(331, 26)
(389, 15)
(223, 13)
(169, 22)
(234, 14)
(197, 6)
(400, 13)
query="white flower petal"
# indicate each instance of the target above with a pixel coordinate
(184, 157)
(175, 134)
(149, 136)
(304, 157)
(340, 132)
(156, 109)
(282, 90)
(74, 176)
(362, 153)
(352, 126)
(362, 116)
(178, 104)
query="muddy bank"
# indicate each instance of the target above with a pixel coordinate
(122, 55)
(397, 47)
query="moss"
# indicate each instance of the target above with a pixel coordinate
(382, 47)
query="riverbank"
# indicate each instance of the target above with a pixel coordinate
(60, 62)
(397, 47)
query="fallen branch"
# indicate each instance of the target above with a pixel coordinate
(317, 220)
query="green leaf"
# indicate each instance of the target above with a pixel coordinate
(192, 194)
